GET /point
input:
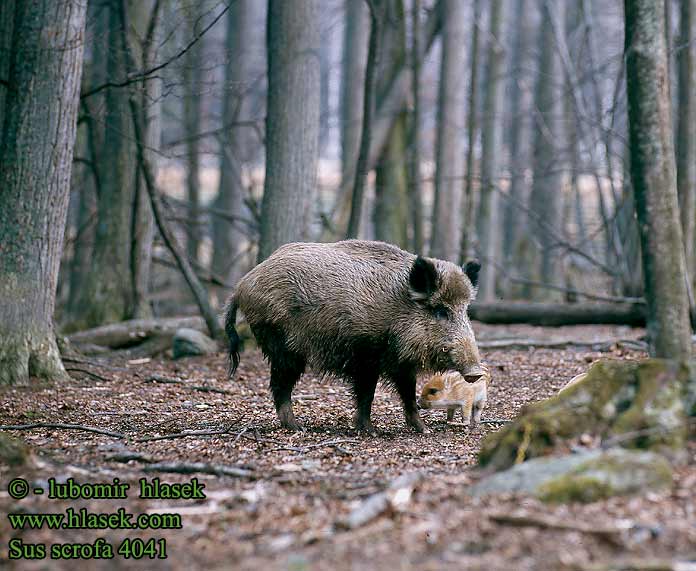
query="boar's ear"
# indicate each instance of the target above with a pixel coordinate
(471, 269)
(423, 279)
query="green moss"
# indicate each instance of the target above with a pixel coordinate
(574, 488)
(13, 451)
(640, 404)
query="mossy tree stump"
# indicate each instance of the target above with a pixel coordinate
(641, 405)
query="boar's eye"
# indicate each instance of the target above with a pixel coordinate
(441, 312)
(432, 391)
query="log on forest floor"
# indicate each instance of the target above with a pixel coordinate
(557, 314)
(127, 334)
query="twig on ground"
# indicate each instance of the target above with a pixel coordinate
(128, 456)
(87, 372)
(640, 565)
(304, 448)
(184, 434)
(62, 427)
(200, 467)
(495, 421)
(171, 381)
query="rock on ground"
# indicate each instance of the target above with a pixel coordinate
(191, 343)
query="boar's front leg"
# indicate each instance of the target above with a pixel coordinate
(364, 389)
(405, 383)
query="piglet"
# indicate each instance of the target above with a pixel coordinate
(452, 392)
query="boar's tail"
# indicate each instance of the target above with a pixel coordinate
(235, 342)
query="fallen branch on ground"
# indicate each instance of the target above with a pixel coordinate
(62, 427)
(200, 467)
(602, 346)
(640, 565)
(396, 497)
(524, 519)
(171, 381)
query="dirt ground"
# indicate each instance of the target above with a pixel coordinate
(286, 512)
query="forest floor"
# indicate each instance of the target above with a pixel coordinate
(286, 511)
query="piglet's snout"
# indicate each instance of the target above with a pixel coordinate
(473, 373)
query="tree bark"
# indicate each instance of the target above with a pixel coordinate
(653, 175)
(192, 77)
(415, 190)
(446, 223)
(519, 101)
(148, 26)
(545, 199)
(355, 48)
(686, 133)
(391, 182)
(491, 143)
(36, 152)
(6, 25)
(107, 291)
(292, 123)
(228, 238)
(368, 101)
(468, 226)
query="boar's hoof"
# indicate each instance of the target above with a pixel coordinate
(287, 418)
(365, 426)
(415, 422)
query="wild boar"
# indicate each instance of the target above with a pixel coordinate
(359, 310)
(450, 391)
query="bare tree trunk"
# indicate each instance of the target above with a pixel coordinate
(147, 26)
(446, 225)
(193, 76)
(7, 8)
(368, 99)
(686, 134)
(228, 238)
(468, 227)
(545, 199)
(519, 131)
(416, 200)
(355, 45)
(292, 122)
(36, 152)
(491, 143)
(653, 174)
(107, 291)
(390, 213)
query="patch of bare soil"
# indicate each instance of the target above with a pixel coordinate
(284, 508)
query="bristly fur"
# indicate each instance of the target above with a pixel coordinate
(235, 342)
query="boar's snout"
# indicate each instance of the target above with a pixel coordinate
(473, 373)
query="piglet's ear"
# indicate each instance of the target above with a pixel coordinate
(471, 269)
(423, 279)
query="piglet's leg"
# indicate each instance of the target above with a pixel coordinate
(466, 413)
(478, 409)
(450, 414)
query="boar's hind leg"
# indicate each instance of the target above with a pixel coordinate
(405, 383)
(364, 389)
(285, 373)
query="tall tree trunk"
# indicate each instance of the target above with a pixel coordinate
(416, 200)
(355, 44)
(6, 25)
(519, 100)
(193, 76)
(107, 291)
(36, 152)
(228, 238)
(292, 123)
(446, 223)
(686, 134)
(391, 182)
(491, 143)
(545, 199)
(147, 27)
(468, 226)
(653, 175)
(361, 169)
